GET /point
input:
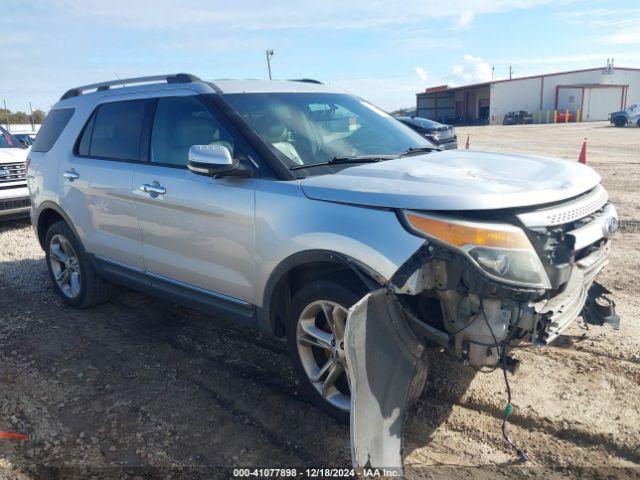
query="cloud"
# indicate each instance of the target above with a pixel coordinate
(465, 20)
(471, 70)
(308, 14)
(422, 74)
(623, 38)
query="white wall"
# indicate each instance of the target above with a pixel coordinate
(20, 128)
(524, 94)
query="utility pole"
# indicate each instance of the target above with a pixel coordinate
(7, 112)
(269, 55)
(493, 67)
(510, 72)
(33, 126)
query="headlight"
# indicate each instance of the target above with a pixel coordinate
(501, 250)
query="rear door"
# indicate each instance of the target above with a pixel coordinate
(198, 233)
(97, 181)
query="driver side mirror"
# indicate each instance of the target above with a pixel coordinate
(211, 160)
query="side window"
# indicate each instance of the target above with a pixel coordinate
(116, 130)
(52, 128)
(181, 122)
(85, 139)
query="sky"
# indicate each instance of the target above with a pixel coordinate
(382, 50)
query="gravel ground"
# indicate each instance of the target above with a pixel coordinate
(139, 382)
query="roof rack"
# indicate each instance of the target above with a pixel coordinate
(306, 80)
(100, 87)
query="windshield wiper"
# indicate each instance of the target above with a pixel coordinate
(413, 150)
(345, 160)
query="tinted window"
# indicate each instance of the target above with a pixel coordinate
(116, 130)
(85, 139)
(180, 123)
(52, 128)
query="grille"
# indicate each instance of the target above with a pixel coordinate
(568, 212)
(13, 204)
(12, 172)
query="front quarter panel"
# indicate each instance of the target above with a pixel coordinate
(288, 223)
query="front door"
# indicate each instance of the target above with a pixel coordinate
(197, 231)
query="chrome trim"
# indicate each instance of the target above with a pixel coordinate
(593, 231)
(567, 212)
(71, 175)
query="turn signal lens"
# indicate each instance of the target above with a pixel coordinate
(501, 250)
(462, 233)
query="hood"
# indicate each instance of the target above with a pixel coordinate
(455, 180)
(13, 155)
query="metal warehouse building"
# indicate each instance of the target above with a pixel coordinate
(588, 95)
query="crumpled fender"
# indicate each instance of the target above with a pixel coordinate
(388, 369)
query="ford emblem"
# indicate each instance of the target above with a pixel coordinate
(610, 227)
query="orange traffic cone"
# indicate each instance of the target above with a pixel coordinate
(467, 144)
(583, 153)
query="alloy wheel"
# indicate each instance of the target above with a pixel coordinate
(320, 342)
(65, 266)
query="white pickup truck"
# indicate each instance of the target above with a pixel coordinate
(14, 194)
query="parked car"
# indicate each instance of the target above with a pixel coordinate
(26, 139)
(517, 118)
(282, 204)
(14, 195)
(629, 116)
(443, 136)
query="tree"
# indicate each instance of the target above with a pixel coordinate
(21, 117)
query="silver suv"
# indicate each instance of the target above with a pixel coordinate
(282, 204)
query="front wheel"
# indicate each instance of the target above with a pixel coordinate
(315, 336)
(620, 121)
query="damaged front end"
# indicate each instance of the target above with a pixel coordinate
(476, 288)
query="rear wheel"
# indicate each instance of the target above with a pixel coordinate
(315, 335)
(71, 269)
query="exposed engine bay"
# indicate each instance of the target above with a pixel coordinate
(477, 289)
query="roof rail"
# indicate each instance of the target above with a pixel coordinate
(99, 87)
(306, 80)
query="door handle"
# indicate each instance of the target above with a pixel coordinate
(154, 190)
(71, 175)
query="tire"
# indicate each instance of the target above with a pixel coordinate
(620, 121)
(307, 314)
(80, 286)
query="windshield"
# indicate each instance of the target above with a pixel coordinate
(7, 140)
(419, 121)
(310, 128)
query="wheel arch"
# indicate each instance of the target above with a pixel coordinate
(301, 268)
(47, 214)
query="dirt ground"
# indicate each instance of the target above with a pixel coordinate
(139, 382)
